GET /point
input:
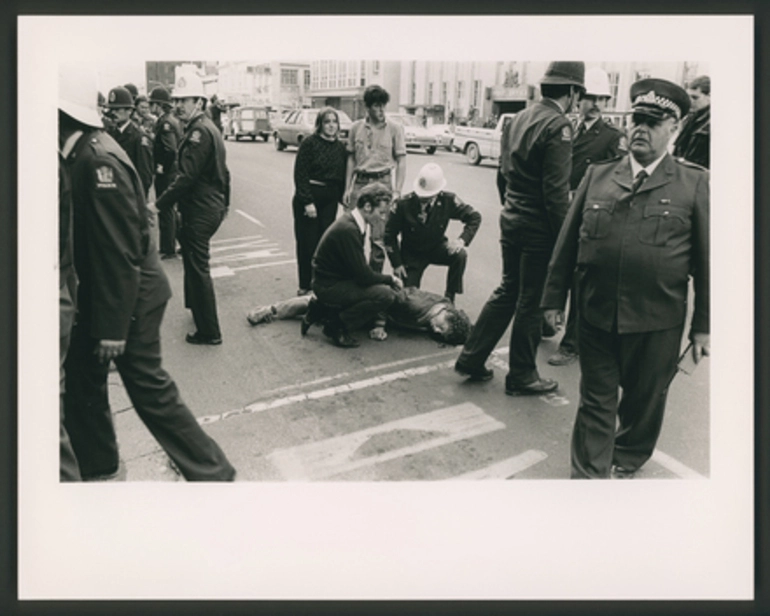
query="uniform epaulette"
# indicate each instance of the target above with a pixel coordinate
(689, 163)
(608, 161)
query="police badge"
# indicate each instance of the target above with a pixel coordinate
(105, 177)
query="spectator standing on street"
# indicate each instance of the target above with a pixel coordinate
(376, 153)
(214, 111)
(129, 136)
(694, 140)
(421, 219)
(595, 141)
(319, 183)
(121, 300)
(168, 136)
(341, 276)
(637, 230)
(536, 152)
(201, 190)
(146, 119)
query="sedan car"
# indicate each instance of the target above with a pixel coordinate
(300, 123)
(417, 136)
(446, 134)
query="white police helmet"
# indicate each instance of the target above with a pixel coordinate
(79, 94)
(430, 181)
(188, 85)
(597, 82)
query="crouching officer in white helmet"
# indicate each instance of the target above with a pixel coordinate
(201, 189)
(421, 219)
(121, 299)
(168, 135)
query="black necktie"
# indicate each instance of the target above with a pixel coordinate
(640, 177)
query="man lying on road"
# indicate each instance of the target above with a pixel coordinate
(413, 309)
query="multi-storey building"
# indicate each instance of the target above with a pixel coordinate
(277, 85)
(341, 83)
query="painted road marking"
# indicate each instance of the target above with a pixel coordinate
(507, 468)
(346, 453)
(675, 466)
(250, 243)
(251, 218)
(231, 240)
(265, 249)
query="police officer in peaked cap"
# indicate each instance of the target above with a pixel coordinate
(129, 136)
(636, 234)
(536, 153)
(201, 189)
(168, 136)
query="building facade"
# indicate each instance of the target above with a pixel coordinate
(277, 85)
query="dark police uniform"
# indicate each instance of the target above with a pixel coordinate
(168, 135)
(602, 141)
(536, 162)
(423, 237)
(201, 189)
(122, 296)
(138, 146)
(634, 255)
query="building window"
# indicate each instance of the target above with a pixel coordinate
(614, 82)
(288, 77)
(430, 93)
(376, 67)
(307, 79)
(413, 93)
(477, 93)
(444, 97)
(460, 92)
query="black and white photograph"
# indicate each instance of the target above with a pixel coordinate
(344, 320)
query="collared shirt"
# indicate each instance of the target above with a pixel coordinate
(636, 167)
(124, 126)
(359, 218)
(376, 148)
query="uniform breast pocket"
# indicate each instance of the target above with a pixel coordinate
(597, 219)
(661, 222)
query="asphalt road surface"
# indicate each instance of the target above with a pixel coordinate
(290, 408)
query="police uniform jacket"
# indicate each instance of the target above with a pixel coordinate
(536, 160)
(203, 181)
(418, 237)
(168, 134)
(694, 139)
(138, 146)
(117, 264)
(634, 256)
(602, 141)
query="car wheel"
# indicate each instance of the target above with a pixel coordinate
(431, 149)
(473, 154)
(236, 136)
(253, 137)
(279, 143)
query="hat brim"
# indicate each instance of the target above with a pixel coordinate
(82, 114)
(653, 112)
(427, 193)
(561, 81)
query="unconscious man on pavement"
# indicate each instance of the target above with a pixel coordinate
(412, 309)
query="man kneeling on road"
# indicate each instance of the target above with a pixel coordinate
(421, 219)
(412, 309)
(342, 279)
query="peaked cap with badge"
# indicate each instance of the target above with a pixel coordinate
(658, 98)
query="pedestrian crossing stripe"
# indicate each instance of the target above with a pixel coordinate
(342, 454)
(506, 469)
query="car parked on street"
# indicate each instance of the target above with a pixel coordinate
(416, 135)
(300, 123)
(478, 143)
(247, 122)
(445, 132)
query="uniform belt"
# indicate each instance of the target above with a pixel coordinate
(368, 175)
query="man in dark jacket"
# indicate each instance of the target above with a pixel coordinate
(595, 141)
(168, 135)
(201, 189)
(421, 219)
(637, 230)
(694, 140)
(122, 295)
(536, 157)
(341, 276)
(129, 136)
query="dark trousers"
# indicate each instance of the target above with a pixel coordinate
(416, 265)
(524, 271)
(155, 398)
(198, 226)
(308, 231)
(377, 233)
(360, 305)
(168, 220)
(642, 365)
(68, 464)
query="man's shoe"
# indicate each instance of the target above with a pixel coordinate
(547, 331)
(563, 357)
(167, 255)
(344, 340)
(261, 315)
(539, 386)
(619, 472)
(197, 338)
(474, 374)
